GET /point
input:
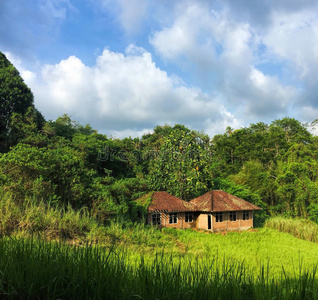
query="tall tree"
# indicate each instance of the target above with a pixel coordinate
(15, 97)
(183, 164)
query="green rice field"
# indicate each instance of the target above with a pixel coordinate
(140, 262)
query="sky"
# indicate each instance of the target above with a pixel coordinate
(126, 66)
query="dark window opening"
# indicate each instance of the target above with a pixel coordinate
(246, 215)
(156, 219)
(173, 218)
(188, 217)
(218, 217)
(233, 216)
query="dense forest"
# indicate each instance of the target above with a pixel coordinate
(64, 163)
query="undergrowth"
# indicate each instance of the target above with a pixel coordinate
(300, 228)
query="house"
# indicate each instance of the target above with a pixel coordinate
(215, 211)
(165, 210)
(218, 210)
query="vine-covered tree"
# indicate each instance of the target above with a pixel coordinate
(183, 165)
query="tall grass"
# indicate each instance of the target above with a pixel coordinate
(125, 260)
(34, 269)
(300, 228)
(45, 219)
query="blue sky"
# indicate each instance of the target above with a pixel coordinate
(125, 66)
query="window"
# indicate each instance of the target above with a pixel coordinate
(233, 216)
(246, 215)
(173, 218)
(218, 217)
(188, 217)
(156, 218)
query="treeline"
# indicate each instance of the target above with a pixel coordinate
(62, 162)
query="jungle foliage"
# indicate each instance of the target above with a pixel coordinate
(67, 164)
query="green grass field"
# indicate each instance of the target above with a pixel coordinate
(146, 263)
(125, 260)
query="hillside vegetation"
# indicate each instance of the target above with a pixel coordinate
(67, 164)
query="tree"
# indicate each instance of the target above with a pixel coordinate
(298, 183)
(15, 97)
(55, 174)
(294, 131)
(65, 127)
(183, 164)
(260, 179)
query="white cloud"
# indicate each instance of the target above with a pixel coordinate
(27, 75)
(68, 86)
(213, 127)
(255, 61)
(224, 50)
(190, 37)
(308, 113)
(123, 94)
(120, 134)
(294, 37)
(130, 14)
(135, 16)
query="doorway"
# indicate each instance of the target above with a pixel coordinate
(209, 222)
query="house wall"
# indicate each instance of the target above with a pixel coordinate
(247, 223)
(201, 221)
(226, 224)
(181, 224)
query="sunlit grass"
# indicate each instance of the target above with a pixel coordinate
(300, 228)
(125, 260)
(31, 268)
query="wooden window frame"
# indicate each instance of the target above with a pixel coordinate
(233, 216)
(219, 217)
(156, 219)
(246, 215)
(188, 217)
(173, 218)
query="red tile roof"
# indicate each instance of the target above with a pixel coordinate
(221, 201)
(163, 201)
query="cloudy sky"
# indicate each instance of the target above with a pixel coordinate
(125, 66)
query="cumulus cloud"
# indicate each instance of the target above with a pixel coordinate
(259, 13)
(226, 51)
(292, 38)
(259, 57)
(122, 93)
(27, 75)
(247, 61)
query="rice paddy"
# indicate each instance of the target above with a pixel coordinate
(166, 264)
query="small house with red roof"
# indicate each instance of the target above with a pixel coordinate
(215, 211)
(218, 210)
(166, 210)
